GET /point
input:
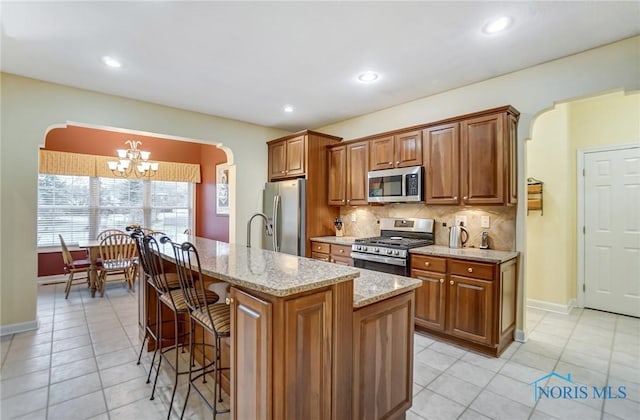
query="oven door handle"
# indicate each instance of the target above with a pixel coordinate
(380, 259)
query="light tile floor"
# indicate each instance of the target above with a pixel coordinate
(80, 364)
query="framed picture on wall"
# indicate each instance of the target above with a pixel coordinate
(222, 189)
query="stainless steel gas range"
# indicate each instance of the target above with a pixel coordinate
(389, 252)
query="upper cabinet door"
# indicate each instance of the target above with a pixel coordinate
(278, 160)
(337, 172)
(357, 169)
(381, 153)
(482, 160)
(442, 158)
(295, 156)
(408, 149)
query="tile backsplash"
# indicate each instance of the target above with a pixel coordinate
(501, 231)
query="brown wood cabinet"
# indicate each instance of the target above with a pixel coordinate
(304, 155)
(348, 168)
(472, 303)
(473, 161)
(430, 298)
(383, 378)
(251, 356)
(338, 254)
(396, 151)
(289, 355)
(287, 158)
(442, 161)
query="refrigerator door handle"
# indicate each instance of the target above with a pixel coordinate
(276, 217)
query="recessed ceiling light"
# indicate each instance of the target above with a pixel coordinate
(111, 62)
(497, 25)
(288, 108)
(368, 77)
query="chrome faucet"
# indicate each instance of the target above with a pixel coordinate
(268, 227)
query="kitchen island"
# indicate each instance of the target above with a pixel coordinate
(310, 339)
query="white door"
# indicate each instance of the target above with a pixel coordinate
(612, 230)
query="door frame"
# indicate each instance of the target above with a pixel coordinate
(580, 208)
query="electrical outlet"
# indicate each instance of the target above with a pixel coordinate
(485, 222)
(461, 220)
(353, 216)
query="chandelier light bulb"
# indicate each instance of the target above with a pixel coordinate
(133, 161)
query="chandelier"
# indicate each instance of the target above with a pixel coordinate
(133, 161)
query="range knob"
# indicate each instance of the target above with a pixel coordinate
(376, 250)
(364, 248)
(357, 247)
(389, 251)
(396, 252)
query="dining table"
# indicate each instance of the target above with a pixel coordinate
(93, 251)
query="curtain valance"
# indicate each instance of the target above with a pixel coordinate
(65, 163)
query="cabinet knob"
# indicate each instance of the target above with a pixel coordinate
(427, 263)
(451, 282)
(455, 197)
(398, 162)
(343, 201)
(464, 198)
(389, 163)
(470, 270)
(283, 172)
(319, 247)
(341, 251)
(441, 280)
(228, 301)
(348, 201)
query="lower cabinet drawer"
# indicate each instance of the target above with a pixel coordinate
(320, 256)
(428, 263)
(472, 269)
(340, 250)
(320, 247)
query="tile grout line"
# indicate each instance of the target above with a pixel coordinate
(615, 329)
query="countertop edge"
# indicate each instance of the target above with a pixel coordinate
(337, 240)
(361, 303)
(489, 255)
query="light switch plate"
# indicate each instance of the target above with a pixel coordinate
(485, 222)
(353, 217)
(462, 219)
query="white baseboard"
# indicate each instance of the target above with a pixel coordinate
(18, 327)
(520, 335)
(56, 278)
(551, 306)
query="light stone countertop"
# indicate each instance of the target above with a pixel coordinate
(261, 270)
(373, 286)
(336, 240)
(473, 254)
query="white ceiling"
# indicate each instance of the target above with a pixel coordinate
(246, 60)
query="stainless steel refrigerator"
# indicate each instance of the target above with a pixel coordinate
(284, 205)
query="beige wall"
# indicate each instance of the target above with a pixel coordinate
(549, 243)
(605, 120)
(30, 108)
(531, 91)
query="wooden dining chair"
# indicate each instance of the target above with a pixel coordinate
(118, 256)
(106, 233)
(73, 267)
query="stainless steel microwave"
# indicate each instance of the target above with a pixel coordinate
(400, 185)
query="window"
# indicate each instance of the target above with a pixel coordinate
(79, 207)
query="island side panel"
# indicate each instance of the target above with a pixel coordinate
(383, 358)
(251, 357)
